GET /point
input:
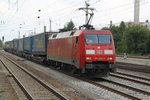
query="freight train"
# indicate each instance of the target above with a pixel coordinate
(90, 52)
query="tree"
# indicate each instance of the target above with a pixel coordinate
(148, 45)
(122, 27)
(136, 39)
(68, 27)
(1, 44)
(120, 42)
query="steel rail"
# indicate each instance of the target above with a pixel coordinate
(133, 80)
(113, 90)
(142, 78)
(26, 92)
(138, 57)
(50, 88)
(129, 87)
(99, 85)
(133, 67)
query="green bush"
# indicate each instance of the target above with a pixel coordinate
(133, 39)
(136, 39)
(2, 90)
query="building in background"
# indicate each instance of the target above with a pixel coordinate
(136, 11)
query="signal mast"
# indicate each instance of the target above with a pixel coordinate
(88, 12)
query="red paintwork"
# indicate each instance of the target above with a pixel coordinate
(67, 48)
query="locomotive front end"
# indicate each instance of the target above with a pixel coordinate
(99, 52)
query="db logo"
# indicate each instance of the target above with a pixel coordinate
(99, 51)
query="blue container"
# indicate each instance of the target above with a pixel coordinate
(6, 46)
(27, 44)
(11, 45)
(20, 45)
(15, 45)
(40, 44)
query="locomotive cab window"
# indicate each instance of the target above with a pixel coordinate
(77, 40)
(104, 39)
(72, 33)
(54, 36)
(91, 38)
(98, 38)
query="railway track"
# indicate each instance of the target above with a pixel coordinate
(38, 90)
(121, 93)
(129, 79)
(133, 76)
(131, 93)
(128, 87)
(133, 67)
(138, 57)
(112, 90)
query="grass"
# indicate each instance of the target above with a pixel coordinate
(2, 90)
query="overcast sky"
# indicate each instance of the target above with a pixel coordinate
(24, 14)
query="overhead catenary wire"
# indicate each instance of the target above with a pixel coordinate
(65, 8)
(79, 16)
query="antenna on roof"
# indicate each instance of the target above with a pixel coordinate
(88, 11)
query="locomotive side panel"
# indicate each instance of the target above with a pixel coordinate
(60, 50)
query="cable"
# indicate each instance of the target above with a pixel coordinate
(75, 17)
(67, 7)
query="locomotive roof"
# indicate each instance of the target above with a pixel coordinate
(73, 33)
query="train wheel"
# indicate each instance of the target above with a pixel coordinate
(74, 70)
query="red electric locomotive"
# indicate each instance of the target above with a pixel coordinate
(85, 51)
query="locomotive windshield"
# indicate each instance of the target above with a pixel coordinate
(91, 38)
(98, 38)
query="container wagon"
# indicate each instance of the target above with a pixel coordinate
(20, 47)
(15, 46)
(39, 50)
(10, 46)
(27, 46)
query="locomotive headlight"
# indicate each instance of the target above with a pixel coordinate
(109, 58)
(88, 58)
